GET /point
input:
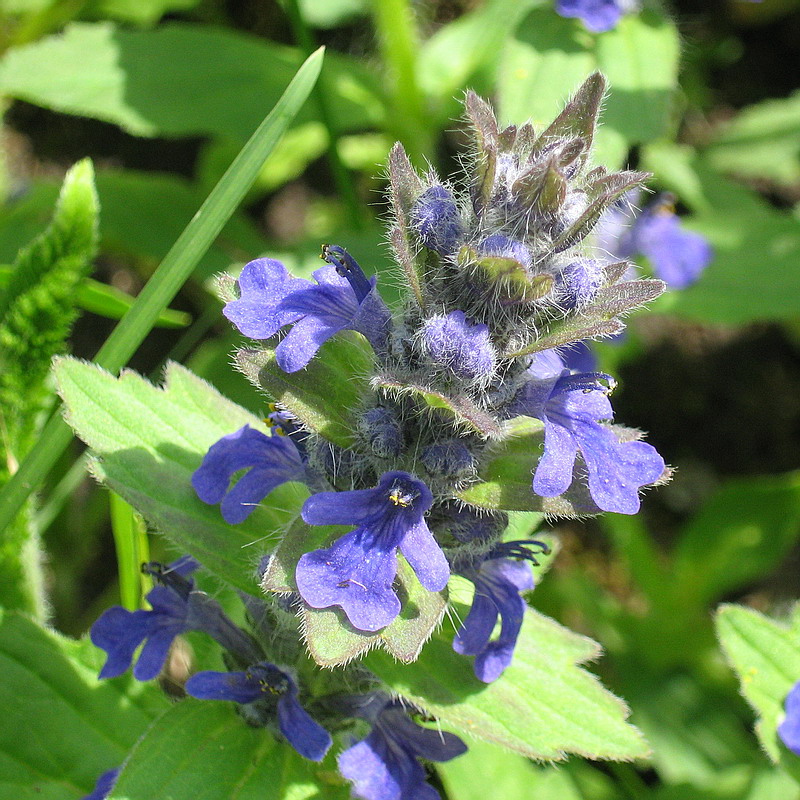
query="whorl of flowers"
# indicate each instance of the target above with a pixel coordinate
(500, 273)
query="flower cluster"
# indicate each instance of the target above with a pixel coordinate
(506, 280)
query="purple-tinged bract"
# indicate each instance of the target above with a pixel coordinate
(577, 284)
(385, 765)
(265, 681)
(356, 572)
(270, 461)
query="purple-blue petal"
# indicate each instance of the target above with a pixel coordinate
(238, 687)
(789, 729)
(597, 15)
(273, 460)
(678, 256)
(105, 783)
(474, 634)
(119, 632)
(263, 284)
(426, 558)
(355, 573)
(301, 730)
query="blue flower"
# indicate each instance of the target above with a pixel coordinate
(789, 729)
(271, 460)
(458, 345)
(119, 631)
(342, 299)
(677, 256)
(356, 572)
(385, 765)
(571, 407)
(105, 783)
(597, 15)
(265, 682)
(498, 578)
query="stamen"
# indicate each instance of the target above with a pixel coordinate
(348, 268)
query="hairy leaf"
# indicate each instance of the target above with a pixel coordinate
(147, 441)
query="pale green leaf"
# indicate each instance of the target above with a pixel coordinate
(544, 706)
(147, 441)
(486, 771)
(324, 395)
(765, 655)
(62, 727)
(203, 749)
(138, 12)
(550, 57)
(152, 83)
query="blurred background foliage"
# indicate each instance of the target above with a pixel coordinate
(162, 94)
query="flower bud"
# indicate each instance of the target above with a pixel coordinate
(578, 283)
(380, 427)
(436, 220)
(456, 344)
(450, 458)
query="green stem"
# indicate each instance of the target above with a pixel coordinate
(341, 177)
(167, 280)
(394, 20)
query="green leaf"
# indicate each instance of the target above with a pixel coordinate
(203, 749)
(329, 636)
(765, 655)
(167, 280)
(488, 771)
(754, 245)
(762, 141)
(331, 13)
(149, 82)
(147, 442)
(742, 532)
(37, 309)
(551, 56)
(325, 394)
(62, 727)
(544, 706)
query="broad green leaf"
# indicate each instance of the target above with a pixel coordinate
(765, 655)
(740, 534)
(203, 749)
(673, 168)
(486, 771)
(326, 393)
(551, 56)
(171, 274)
(108, 301)
(329, 636)
(763, 141)
(147, 441)
(544, 706)
(152, 83)
(62, 727)
(754, 245)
